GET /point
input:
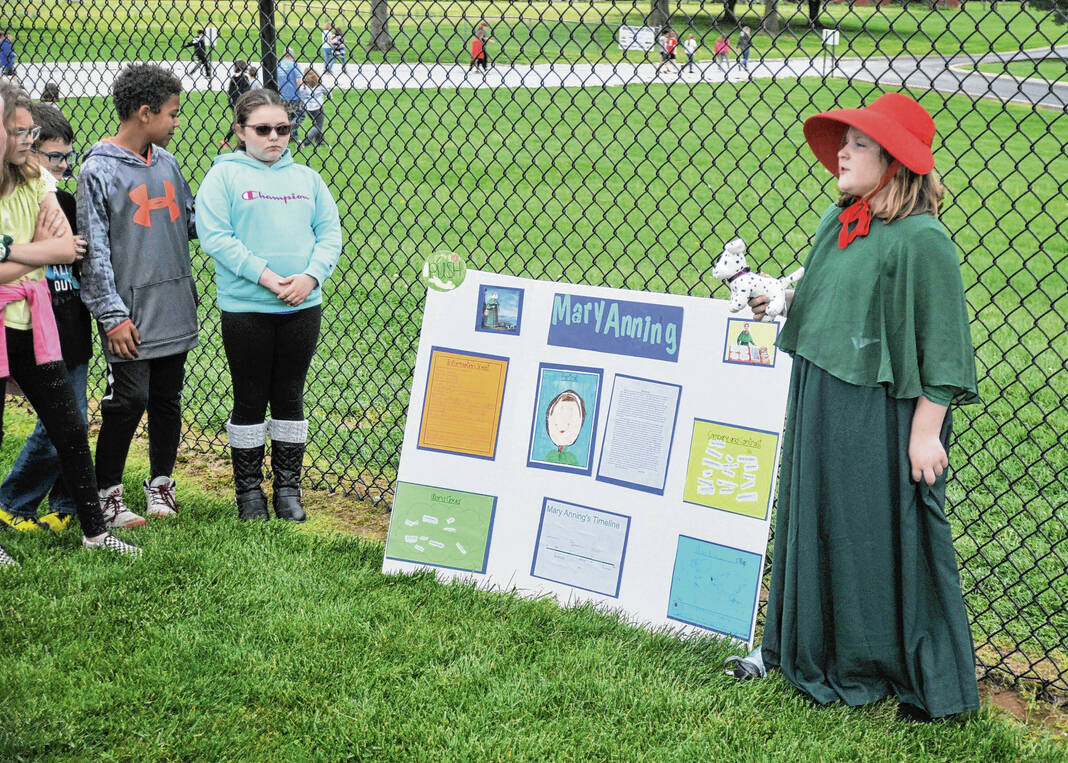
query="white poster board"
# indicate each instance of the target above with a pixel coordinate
(595, 444)
(829, 37)
(636, 37)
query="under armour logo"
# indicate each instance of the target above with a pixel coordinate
(143, 215)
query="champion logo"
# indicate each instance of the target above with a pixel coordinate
(285, 199)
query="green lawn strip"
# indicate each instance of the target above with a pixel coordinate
(633, 206)
(1052, 70)
(654, 180)
(534, 32)
(277, 642)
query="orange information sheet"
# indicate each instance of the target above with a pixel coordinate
(462, 407)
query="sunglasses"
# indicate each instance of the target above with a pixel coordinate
(264, 130)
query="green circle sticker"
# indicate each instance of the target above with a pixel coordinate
(444, 270)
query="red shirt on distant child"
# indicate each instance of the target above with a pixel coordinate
(476, 48)
(672, 43)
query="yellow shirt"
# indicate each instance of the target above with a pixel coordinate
(18, 219)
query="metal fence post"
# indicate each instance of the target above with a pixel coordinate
(268, 38)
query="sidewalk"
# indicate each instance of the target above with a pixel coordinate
(94, 78)
(89, 78)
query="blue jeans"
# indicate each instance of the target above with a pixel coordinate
(36, 468)
(317, 133)
(296, 116)
(328, 58)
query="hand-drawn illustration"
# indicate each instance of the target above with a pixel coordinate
(565, 417)
(563, 422)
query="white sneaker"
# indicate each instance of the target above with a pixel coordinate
(7, 561)
(159, 498)
(116, 513)
(111, 543)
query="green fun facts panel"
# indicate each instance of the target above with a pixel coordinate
(440, 527)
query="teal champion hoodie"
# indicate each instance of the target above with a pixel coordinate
(252, 216)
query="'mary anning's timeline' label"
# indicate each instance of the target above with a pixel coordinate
(638, 329)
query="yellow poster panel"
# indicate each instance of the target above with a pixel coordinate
(731, 468)
(462, 405)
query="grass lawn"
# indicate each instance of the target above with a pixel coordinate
(277, 642)
(1053, 70)
(527, 32)
(655, 179)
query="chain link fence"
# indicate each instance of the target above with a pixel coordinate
(581, 150)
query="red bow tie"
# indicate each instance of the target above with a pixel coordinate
(859, 211)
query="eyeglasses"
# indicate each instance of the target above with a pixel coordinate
(24, 134)
(56, 158)
(264, 130)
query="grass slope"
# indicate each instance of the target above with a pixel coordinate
(276, 642)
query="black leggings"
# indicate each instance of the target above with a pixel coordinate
(135, 386)
(269, 355)
(49, 391)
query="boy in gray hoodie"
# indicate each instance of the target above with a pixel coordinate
(136, 212)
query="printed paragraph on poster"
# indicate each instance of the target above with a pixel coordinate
(641, 425)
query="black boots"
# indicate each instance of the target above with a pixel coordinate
(287, 456)
(246, 453)
(248, 479)
(247, 444)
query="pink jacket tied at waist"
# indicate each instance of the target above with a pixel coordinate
(46, 347)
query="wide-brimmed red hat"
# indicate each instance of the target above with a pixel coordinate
(894, 121)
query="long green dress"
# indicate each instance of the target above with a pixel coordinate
(865, 598)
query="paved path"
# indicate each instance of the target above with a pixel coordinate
(955, 75)
(91, 78)
(945, 74)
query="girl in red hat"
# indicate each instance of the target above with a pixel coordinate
(865, 598)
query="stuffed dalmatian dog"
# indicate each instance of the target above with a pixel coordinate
(745, 284)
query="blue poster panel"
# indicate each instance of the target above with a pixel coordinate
(715, 587)
(621, 327)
